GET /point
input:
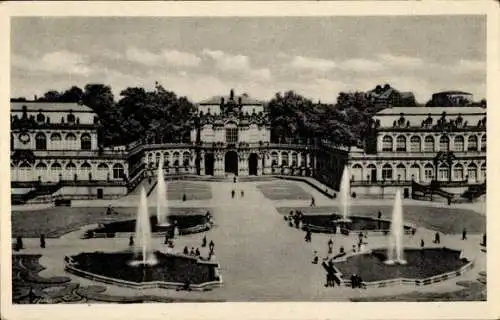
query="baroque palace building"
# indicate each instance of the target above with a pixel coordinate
(55, 151)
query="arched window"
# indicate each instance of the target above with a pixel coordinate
(24, 173)
(284, 158)
(458, 172)
(428, 172)
(415, 172)
(40, 141)
(56, 168)
(443, 173)
(85, 166)
(472, 143)
(387, 172)
(157, 157)
(444, 144)
(401, 172)
(86, 142)
(429, 144)
(415, 143)
(166, 157)
(71, 166)
(483, 143)
(274, 158)
(70, 137)
(118, 171)
(357, 172)
(185, 158)
(472, 172)
(387, 143)
(303, 159)
(483, 172)
(150, 157)
(41, 166)
(401, 144)
(55, 137)
(102, 171)
(458, 144)
(71, 118)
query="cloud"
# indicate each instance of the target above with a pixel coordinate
(314, 64)
(400, 61)
(57, 62)
(236, 64)
(471, 65)
(169, 57)
(361, 65)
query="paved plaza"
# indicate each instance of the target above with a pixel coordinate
(261, 257)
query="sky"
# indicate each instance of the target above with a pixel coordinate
(200, 57)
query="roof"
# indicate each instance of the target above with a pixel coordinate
(452, 92)
(35, 106)
(408, 111)
(417, 114)
(245, 100)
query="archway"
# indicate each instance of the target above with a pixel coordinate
(252, 164)
(231, 162)
(209, 164)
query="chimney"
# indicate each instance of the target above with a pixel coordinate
(231, 96)
(35, 98)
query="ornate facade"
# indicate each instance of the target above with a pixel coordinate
(422, 145)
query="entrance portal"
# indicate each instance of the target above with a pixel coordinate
(231, 162)
(209, 164)
(252, 164)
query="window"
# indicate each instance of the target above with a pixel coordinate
(102, 167)
(41, 166)
(166, 157)
(86, 142)
(387, 143)
(56, 168)
(443, 173)
(357, 172)
(483, 172)
(150, 157)
(428, 172)
(444, 144)
(401, 172)
(70, 137)
(40, 141)
(274, 158)
(458, 172)
(295, 159)
(185, 158)
(70, 170)
(472, 172)
(472, 143)
(483, 143)
(55, 137)
(86, 166)
(387, 172)
(118, 171)
(400, 144)
(458, 144)
(157, 157)
(415, 172)
(429, 144)
(232, 135)
(415, 144)
(284, 159)
(176, 158)
(303, 159)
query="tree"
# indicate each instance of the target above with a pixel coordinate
(74, 94)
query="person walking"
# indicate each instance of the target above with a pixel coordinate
(313, 202)
(422, 243)
(242, 193)
(437, 238)
(131, 241)
(204, 241)
(464, 234)
(232, 193)
(330, 246)
(42, 241)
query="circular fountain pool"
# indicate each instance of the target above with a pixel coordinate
(330, 223)
(168, 271)
(423, 266)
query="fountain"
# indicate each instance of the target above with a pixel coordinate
(143, 250)
(161, 198)
(345, 190)
(395, 248)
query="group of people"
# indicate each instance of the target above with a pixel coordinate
(20, 244)
(233, 193)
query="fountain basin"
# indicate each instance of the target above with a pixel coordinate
(170, 271)
(423, 266)
(185, 223)
(327, 223)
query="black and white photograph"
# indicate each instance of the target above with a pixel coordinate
(217, 159)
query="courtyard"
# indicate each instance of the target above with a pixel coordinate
(261, 257)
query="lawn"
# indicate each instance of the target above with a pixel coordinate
(192, 190)
(283, 191)
(54, 222)
(445, 220)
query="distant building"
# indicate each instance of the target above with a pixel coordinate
(451, 99)
(387, 97)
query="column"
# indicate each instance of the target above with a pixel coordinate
(259, 163)
(202, 162)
